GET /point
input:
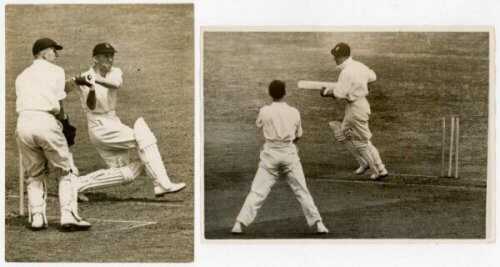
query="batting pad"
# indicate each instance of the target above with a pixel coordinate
(110, 177)
(150, 155)
(366, 155)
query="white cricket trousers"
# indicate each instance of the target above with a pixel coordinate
(276, 158)
(356, 119)
(112, 139)
(40, 139)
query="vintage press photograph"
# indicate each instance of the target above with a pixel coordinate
(347, 133)
(99, 135)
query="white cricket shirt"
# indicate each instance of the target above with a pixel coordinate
(353, 80)
(40, 87)
(280, 122)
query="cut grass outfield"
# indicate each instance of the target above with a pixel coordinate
(421, 77)
(155, 53)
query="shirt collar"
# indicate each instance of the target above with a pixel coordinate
(41, 61)
(345, 63)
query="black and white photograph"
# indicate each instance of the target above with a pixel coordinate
(346, 133)
(99, 133)
(249, 133)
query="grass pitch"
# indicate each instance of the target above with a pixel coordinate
(421, 77)
(155, 52)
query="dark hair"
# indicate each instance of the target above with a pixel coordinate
(277, 89)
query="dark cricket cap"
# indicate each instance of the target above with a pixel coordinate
(103, 48)
(341, 50)
(43, 43)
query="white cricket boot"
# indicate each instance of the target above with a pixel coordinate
(381, 175)
(362, 169)
(321, 228)
(237, 228)
(82, 197)
(68, 194)
(70, 222)
(38, 222)
(172, 188)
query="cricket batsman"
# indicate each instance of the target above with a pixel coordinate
(353, 132)
(98, 90)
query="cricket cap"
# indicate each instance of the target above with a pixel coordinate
(341, 50)
(44, 43)
(103, 48)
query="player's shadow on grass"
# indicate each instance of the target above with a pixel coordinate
(103, 197)
(286, 228)
(22, 222)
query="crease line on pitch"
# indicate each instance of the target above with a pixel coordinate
(401, 184)
(128, 202)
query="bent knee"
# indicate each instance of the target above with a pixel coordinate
(335, 125)
(338, 132)
(359, 144)
(132, 171)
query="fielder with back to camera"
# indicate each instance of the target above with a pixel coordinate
(39, 96)
(98, 89)
(353, 132)
(282, 128)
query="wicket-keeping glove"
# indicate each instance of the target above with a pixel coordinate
(69, 131)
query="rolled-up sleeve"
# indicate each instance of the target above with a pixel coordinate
(371, 76)
(341, 90)
(259, 121)
(116, 77)
(298, 132)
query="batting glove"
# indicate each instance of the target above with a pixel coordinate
(326, 93)
(81, 80)
(85, 78)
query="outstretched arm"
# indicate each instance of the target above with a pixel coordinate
(112, 81)
(109, 83)
(371, 76)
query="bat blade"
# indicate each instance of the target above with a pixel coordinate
(315, 85)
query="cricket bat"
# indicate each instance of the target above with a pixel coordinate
(315, 85)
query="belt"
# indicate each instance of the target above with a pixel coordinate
(101, 114)
(271, 143)
(36, 113)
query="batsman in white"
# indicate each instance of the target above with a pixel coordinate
(98, 89)
(282, 128)
(353, 132)
(39, 95)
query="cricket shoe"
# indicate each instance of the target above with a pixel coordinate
(361, 169)
(69, 222)
(381, 175)
(172, 188)
(82, 197)
(37, 222)
(237, 228)
(321, 228)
